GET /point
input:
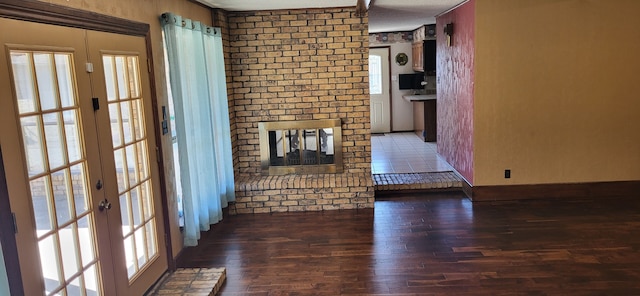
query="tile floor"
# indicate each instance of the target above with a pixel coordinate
(401, 153)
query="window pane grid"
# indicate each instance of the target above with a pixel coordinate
(52, 140)
(22, 70)
(140, 246)
(132, 160)
(57, 110)
(77, 284)
(46, 80)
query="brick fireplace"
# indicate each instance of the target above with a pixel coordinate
(300, 65)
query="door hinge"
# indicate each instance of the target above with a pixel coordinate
(157, 154)
(96, 104)
(149, 65)
(15, 224)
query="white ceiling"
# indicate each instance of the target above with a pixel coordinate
(384, 15)
(248, 5)
(405, 15)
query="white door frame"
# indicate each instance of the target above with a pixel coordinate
(388, 110)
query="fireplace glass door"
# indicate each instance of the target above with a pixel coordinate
(300, 146)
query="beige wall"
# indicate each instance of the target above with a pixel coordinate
(557, 91)
(148, 12)
(402, 115)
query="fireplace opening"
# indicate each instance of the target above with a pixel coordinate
(301, 147)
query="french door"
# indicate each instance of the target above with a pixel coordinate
(76, 134)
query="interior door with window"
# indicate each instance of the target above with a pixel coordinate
(81, 182)
(379, 91)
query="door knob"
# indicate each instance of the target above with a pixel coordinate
(104, 204)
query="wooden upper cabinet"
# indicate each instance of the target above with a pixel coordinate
(423, 49)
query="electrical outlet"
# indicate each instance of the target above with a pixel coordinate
(507, 174)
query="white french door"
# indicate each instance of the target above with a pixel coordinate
(80, 176)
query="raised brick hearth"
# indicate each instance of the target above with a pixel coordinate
(303, 193)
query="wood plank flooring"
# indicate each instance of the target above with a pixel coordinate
(431, 244)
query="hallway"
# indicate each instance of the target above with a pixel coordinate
(401, 161)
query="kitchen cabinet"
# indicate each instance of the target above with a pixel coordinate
(424, 56)
(423, 49)
(424, 116)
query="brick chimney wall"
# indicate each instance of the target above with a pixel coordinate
(300, 65)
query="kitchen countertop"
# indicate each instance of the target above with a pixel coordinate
(418, 98)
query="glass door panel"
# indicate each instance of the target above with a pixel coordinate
(48, 112)
(70, 159)
(130, 146)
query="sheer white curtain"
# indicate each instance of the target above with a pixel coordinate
(198, 85)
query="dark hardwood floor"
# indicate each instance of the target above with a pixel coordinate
(431, 244)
